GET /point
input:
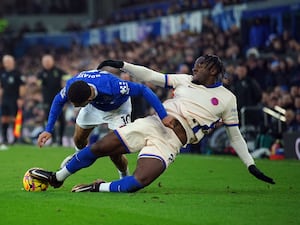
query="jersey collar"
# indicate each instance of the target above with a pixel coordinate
(217, 84)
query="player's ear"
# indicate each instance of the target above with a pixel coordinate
(213, 71)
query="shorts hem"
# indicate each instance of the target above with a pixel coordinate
(120, 138)
(155, 157)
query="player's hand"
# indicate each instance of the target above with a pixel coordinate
(43, 138)
(259, 175)
(168, 121)
(112, 63)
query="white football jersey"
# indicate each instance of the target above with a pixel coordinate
(199, 107)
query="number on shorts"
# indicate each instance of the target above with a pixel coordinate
(126, 119)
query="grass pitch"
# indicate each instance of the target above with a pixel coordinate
(196, 189)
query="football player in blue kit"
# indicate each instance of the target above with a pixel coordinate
(103, 98)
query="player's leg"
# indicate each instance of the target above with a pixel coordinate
(115, 119)
(62, 126)
(108, 145)
(5, 121)
(80, 138)
(154, 158)
(147, 170)
(121, 163)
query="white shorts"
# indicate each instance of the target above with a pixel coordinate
(89, 116)
(150, 137)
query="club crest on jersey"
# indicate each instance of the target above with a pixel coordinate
(124, 89)
(214, 101)
(63, 92)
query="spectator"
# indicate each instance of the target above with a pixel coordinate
(13, 89)
(291, 124)
(246, 89)
(248, 93)
(256, 67)
(51, 79)
(297, 103)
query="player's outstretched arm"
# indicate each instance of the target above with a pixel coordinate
(140, 72)
(239, 144)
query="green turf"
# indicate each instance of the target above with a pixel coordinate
(196, 189)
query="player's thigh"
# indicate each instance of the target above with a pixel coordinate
(109, 145)
(148, 169)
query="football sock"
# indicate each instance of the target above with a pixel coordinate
(104, 187)
(62, 174)
(127, 184)
(4, 132)
(81, 159)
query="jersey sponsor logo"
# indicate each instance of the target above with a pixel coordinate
(124, 89)
(63, 92)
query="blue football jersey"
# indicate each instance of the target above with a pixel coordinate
(111, 93)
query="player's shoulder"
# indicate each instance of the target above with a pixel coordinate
(226, 92)
(178, 79)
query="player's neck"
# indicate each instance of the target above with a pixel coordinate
(93, 92)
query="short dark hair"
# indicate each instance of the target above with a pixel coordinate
(79, 92)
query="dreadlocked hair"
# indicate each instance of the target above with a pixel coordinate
(79, 92)
(213, 61)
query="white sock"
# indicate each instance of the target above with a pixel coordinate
(62, 174)
(104, 187)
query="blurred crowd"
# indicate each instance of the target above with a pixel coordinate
(131, 10)
(29, 7)
(268, 76)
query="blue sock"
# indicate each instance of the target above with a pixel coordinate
(127, 184)
(82, 159)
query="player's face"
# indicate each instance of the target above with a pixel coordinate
(200, 71)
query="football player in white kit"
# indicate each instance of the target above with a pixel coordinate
(199, 103)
